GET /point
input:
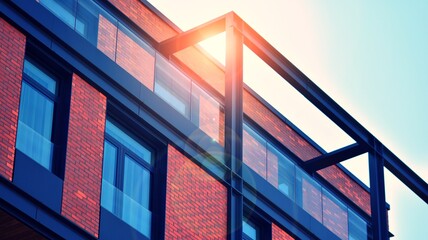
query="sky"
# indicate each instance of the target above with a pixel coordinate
(371, 57)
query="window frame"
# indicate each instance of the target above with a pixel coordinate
(62, 75)
(157, 194)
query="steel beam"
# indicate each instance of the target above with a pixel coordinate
(331, 109)
(234, 123)
(193, 36)
(377, 194)
(334, 157)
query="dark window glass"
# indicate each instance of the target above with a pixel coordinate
(127, 178)
(36, 113)
(249, 230)
(63, 9)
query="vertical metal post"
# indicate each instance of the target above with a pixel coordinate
(377, 194)
(233, 123)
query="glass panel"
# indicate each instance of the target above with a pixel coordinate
(172, 86)
(39, 76)
(249, 229)
(140, 218)
(128, 142)
(136, 187)
(357, 227)
(87, 20)
(63, 9)
(308, 194)
(207, 114)
(35, 126)
(254, 151)
(335, 215)
(285, 172)
(136, 183)
(109, 176)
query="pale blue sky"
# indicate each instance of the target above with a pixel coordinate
(371, 57)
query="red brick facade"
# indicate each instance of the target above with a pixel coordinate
(12, 51)
(312, 200)
(335, 218)
(107, 37)
(145, 19)
(196, 203)
(82, 180)
(211, 119)
(339, 179)
(126, 53)
(254, 154)
(279, 234)
(135, 60)
(277, 128)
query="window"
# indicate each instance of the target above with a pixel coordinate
(127, 177)
(172, 86)
(249, 230)
(36, 114)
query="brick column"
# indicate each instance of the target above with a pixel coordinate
(83, 171)
(12, 51)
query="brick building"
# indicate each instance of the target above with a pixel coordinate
(115, 125)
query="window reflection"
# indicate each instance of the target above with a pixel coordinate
(127, 179)
(36, 110)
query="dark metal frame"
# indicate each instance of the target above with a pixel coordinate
(238, 33)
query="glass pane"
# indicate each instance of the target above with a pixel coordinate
(357, 227)
(109, 176)
(37, 75)
(308, 194)
(172, 86)
(63, 9)
(249, 229)
(35, 126)
(128, 142)
(87, 20)
(136, 183)
(254, 151)
(285, 172)
(136, 189)
(335, 215)
(207, 114)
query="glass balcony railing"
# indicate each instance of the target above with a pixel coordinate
(274, 166)
(34, 145)
(134, 55)
(126, 208)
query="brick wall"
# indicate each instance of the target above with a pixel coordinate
(312, 200)
(211, 118)
(254, 154)
(196, 203)
(160, 31)
(135, 60)
(126, 52)
(277, 128)
(335, 217)
(12, 51)
(272, 168)
(82, 180)
(340, 180)
(279, 234)
(145, 19)
(107, 37)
